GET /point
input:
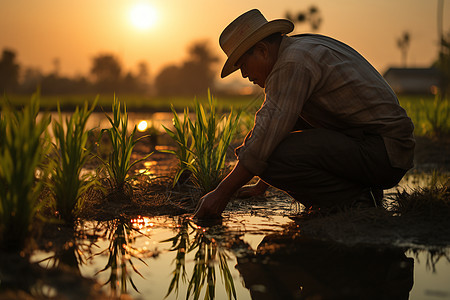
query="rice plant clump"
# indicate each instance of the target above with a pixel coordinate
(119, 162)
(182, 137)
(22, 151)
(68, 185)
(202, 147)
(431, 202)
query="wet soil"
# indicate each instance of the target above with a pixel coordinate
(154, 195)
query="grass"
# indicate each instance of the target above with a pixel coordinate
(68, 185)
(134, 102)
(421, 109)
(431, 202)
(203, 143)
(22, 153)
(431, 116)
(119, 162)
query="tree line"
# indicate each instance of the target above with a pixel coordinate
(106, 74)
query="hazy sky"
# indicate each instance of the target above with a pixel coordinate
(75, 31)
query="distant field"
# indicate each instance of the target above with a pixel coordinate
(135, 102)
(419, 108)
(429, 115)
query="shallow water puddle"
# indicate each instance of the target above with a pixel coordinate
(246, 257)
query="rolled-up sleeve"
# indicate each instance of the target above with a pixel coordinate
(287, 88)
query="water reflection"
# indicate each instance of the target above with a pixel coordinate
(209, 254)
(287, 267)
(50, 275)
(121, 253)
(186, 261)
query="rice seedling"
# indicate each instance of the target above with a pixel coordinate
(68, 185)
(183, 139)
(430, 116)
(22, 152)
(119, 162)
(202, 147)
(438, 116)
(431, 202)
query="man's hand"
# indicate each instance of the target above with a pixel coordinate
(252, 190)
(211, 205)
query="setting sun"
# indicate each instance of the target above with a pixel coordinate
(143, 16)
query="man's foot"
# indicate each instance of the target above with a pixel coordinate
(370, 198)
(377, 196)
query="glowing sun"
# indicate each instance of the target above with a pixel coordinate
(143, 16)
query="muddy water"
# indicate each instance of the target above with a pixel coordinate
(250, 256)
(154, 120)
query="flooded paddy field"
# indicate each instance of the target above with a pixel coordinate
(245, 257)
(257, 251)
(151, 248)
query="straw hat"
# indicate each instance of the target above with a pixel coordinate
(244, 32)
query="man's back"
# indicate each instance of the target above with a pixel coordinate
(332, 86)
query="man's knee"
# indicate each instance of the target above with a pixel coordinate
(306, 144)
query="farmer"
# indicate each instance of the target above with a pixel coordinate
(330, 132)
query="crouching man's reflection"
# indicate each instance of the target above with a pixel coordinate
(287, 267)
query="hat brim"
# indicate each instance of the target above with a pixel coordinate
(282, 26)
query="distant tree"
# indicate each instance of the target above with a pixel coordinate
(143, 72)
(403, 45)
(9, 71)
(197, 70)
(143, 77)
(130, 84)
(54, 84)
(193, 77)
(56, 65)
(32, 78)
(443, 64)
(311, 15)
(106, 71)
(167, 81)
(443, 61)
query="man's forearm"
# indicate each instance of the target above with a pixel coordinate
(235, 180)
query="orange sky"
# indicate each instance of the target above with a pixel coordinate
(75, 31)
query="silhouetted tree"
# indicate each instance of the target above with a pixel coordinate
(32, 79)
(312, 16)
(56, 66)
(143, 72)
(167, 82)
(194, 77)
(197, 70)
(57, 85)
(9, 72)
(106, 71)
(403, 45)
(443, 64)
(130, 84)
(143, 77)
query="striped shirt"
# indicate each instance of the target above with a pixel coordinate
(329, 85)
